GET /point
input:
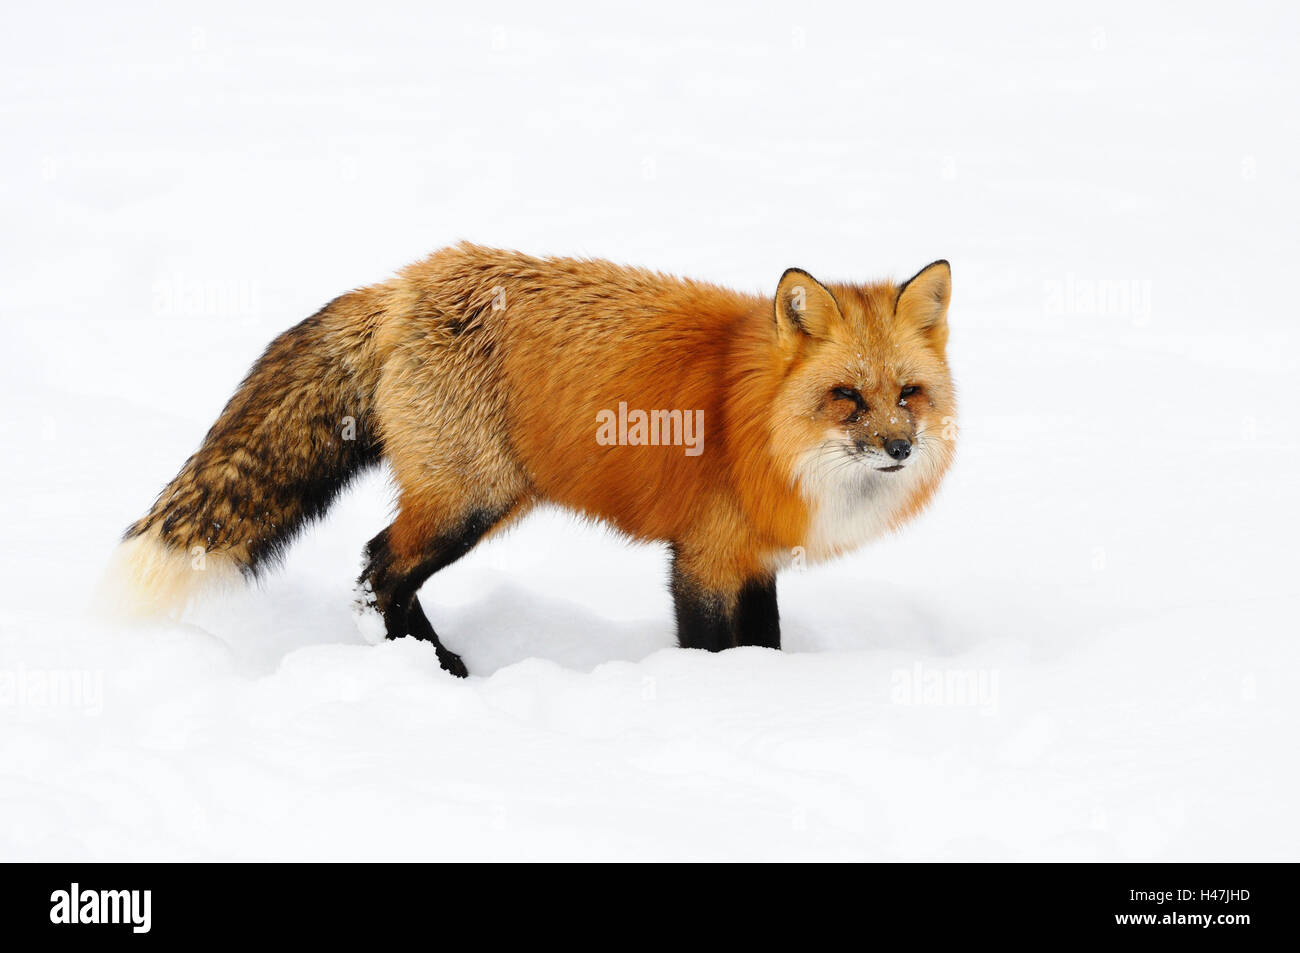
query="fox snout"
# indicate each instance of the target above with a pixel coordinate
(898, 448)
(886, 454)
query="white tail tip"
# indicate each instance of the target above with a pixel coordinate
(148, 579)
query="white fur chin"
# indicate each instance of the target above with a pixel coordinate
(850, 504)
(147, 579)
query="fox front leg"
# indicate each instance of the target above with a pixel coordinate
(714, 618)
(757, 619)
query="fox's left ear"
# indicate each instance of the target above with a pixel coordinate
(923, 300)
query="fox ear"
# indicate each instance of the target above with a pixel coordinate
(923, 300)
(803, 307)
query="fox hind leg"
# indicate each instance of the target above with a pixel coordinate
(403, 556)
(419, 627)
(441, 413)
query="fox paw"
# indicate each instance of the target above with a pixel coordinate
(366, 614)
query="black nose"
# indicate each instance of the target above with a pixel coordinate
(898, 449)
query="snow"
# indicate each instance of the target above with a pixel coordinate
(1084, 650)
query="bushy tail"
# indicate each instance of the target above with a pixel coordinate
(297, 430)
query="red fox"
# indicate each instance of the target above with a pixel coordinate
(746, 432)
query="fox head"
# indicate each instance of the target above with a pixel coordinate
(866, 407)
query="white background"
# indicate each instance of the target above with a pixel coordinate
(1111, 559)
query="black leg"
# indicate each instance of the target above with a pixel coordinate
(704, 619)
(393, 588)
(419, 627)
(757, 620)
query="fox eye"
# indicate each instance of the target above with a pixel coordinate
(851, 394)
(908, 391)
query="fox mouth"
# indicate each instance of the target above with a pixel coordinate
(871, 459)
